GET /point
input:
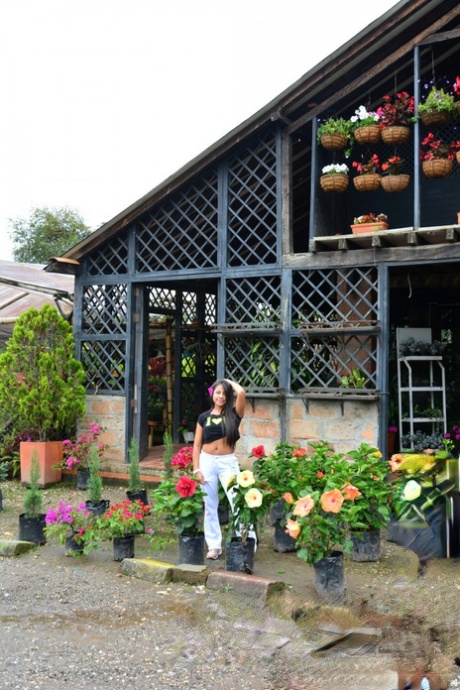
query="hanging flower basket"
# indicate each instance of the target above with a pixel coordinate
(437, 167)
(396, 134)
(457, 156)
(395, 183)
(334, 182)
(435, 118)
(333, 142)
(368, 227)
(369, 182)
(369, 134)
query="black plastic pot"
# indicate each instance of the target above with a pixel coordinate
(123, 547)
(32, 529)
(138, 496)
(329, 578)
(366, 546)
(191, 549)
(97, 509)
(73, 547)
(239, 556)
(1, 500)
(223, 513)
(283, 542)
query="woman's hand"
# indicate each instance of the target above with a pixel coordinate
(199, 476)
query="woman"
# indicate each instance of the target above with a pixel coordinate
(214, 459)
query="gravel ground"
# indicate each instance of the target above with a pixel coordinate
(78, 623)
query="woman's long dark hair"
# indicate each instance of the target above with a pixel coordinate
(231, 421)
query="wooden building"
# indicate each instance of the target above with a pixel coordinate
(241, 265)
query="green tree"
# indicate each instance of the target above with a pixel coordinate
(46, 233)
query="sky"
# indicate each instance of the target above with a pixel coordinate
(104, 99)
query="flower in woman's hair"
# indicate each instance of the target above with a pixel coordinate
(412, 490)
(351, 492)
(299, 452)
(186, 486)
(288, 497)
(211, 391)
(258, 452)
(303, 506)
(253, 498)
(245, 478)
(331, 501)
(292, 528)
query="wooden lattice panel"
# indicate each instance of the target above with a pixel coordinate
(253, 362)
(104, 310)
(111, 258)
(181, 232)
(253, 300)
(252, 205)
(162, 298)
(104, 363)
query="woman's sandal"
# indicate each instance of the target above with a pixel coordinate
(213, 554)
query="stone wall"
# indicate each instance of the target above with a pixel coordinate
(323, 421)
(109, 412)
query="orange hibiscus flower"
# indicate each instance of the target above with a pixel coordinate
(303, 506)
(292, 528)
(351, 492)
(331, 501)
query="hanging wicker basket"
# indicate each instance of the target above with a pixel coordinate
(435, 118)
(457, 156)
(397, 134)
(368, 135)
(334, 182)
(333, 142)
(369, 182)
(395, 183)
(439, 167)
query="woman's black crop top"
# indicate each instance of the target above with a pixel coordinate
(214, 426)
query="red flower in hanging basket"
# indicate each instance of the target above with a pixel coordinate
(399, 112)
(432, 148)
(371, 166)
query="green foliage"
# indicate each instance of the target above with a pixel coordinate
(94, 480)
(438, 100)
(354, 380)
(120, 520)
(281, 471)
(168, 453)
(46, 233)
(180, 502)
(337, 125)
(250, 504)
(134, 482)
(33, 500)
(41, 382)
(3, 470)
(371, 476)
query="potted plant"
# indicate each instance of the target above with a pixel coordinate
(41, 384)
(437, 156)
(250, 504)
(396, 115)
(438, 107)
(136, 489)
(393, 180)
(365, 125)
(95, 503)
(369, 222)
(353, 380)
(334, 177)
(335, 134)
(32, 520)
(371, 512)
(368, 178)
(76, 453)
(71, 526)
(120, 523)
(179, 501)
(3, 477)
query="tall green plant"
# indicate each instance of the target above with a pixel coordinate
(168, 453)
(134, 482)
(33, 500)
(41, 381)
(94, 479)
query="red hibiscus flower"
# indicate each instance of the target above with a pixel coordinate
(299, 452)
(186, 486)
(258, 451)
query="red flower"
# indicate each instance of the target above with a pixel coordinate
(320, 474)
(432, 148)
(299, 452)
(186, 487)
(258, 451)
(183, 458)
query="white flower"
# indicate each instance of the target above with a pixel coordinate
(362, 114)
(245, 478)
(253, 498)
(341, 168)
(412, 490)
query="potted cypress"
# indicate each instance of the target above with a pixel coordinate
(32, 521)
(95, 503)
(136, 489)
(3, 476)
(41, 384)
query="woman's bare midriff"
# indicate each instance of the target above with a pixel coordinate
(217, 448)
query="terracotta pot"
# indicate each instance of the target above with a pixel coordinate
(394, 183)
(438, 167)
(369, 182)
(396, 134)
(49, 453)
(360, 228)
(334, 182)
(435, 118)
(368, 135)
(333, 142)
